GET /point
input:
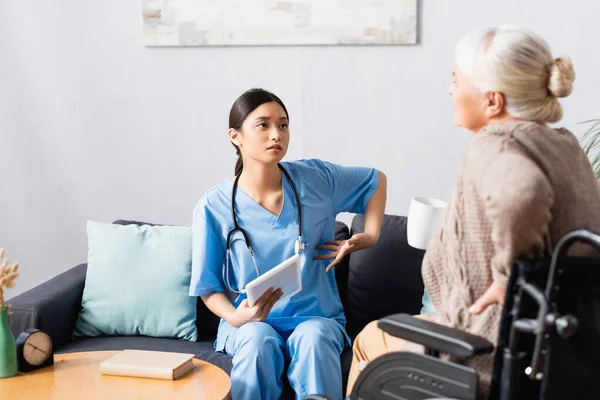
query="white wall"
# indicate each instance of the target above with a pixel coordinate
(95, 126)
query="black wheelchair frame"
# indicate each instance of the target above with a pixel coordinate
(548, 346)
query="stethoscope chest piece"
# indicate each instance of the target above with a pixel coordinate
(299, 245)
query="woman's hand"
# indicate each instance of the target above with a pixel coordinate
(373, 219)
(259, 312)
(493, 295)
(340, 248)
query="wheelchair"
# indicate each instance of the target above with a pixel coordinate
(548, 344)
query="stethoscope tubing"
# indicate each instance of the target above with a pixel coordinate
(299, 244)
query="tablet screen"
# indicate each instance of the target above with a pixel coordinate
(285, 276)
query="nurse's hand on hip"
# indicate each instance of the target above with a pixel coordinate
(341, 248)
(244, 313)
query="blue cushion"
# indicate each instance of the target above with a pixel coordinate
(137, 282)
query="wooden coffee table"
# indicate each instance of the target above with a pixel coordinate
(77, 376)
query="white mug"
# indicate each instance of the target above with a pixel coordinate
(424, 218)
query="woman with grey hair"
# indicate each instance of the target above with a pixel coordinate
(521, 187)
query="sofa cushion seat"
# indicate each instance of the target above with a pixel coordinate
(203, 350)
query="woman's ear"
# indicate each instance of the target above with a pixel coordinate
(235, 137)
(494, 104)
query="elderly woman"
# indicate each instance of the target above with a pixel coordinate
(522, 186)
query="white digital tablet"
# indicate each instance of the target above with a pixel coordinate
(285, 276)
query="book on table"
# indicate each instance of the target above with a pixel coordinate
(148, 364)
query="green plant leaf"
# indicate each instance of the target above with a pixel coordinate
(590, 143)
(588, 121)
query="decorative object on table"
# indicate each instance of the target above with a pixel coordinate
(591, 144)
(148, 364)
(34, 350)
(273, 22)
(8, 349)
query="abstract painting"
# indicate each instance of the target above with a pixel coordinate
(279, 22)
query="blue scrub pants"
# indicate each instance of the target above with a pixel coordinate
(259, 351)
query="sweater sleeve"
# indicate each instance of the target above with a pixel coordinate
(518, 199)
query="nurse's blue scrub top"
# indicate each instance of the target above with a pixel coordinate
(324, 189)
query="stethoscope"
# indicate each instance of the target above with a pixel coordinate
(299, 246)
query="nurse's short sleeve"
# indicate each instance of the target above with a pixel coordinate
(351, 187)
(208, 255)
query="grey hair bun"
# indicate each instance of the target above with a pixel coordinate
(562, 76)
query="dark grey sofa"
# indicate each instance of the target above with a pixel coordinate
(373, 283)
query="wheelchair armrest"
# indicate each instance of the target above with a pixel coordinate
(434, 336)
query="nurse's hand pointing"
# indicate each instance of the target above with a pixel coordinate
(259, 312)
(340, 248)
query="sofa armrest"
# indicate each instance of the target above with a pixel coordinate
(435, 336)
(51, 307)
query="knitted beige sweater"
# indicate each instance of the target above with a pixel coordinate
(522, 186)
